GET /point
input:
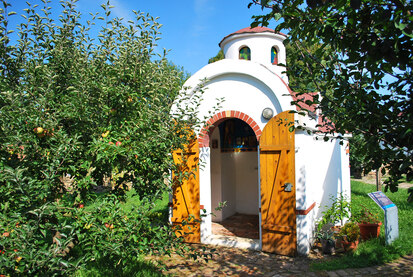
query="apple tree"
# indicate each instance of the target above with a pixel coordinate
(79, 113)
(365, 67)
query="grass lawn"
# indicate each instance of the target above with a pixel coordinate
(375, 251)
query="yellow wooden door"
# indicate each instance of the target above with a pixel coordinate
(185, 205)
(277, 175)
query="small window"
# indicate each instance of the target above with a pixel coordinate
(245, 53)
(274, 55)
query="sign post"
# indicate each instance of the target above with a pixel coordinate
(391, 218)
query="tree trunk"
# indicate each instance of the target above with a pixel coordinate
(378, 179)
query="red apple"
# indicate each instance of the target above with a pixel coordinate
(118, 143)
(81, 206)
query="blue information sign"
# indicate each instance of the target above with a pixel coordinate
(381, 199)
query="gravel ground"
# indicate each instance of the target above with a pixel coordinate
(238, 262)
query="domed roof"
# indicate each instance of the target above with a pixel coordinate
(258, 29)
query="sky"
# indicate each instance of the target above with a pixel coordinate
(191, 29)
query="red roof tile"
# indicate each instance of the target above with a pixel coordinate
(258, 29)
(324, 124)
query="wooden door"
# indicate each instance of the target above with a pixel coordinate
(277, 175)
(185, 205)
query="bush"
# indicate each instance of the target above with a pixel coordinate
(76, 116)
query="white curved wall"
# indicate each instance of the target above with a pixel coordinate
(245, 86)
(260, 45)
(322, 171)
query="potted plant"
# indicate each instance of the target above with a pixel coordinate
(326, 238)
(350, 234)
(369, 224)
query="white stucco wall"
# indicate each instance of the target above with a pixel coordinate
(260, 45)
(205, 191)
(229, 185)
(247, 182)
(245, 86)
(322, 171)
(216, 187)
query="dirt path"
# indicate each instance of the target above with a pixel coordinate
(372, 180)
(238, 262)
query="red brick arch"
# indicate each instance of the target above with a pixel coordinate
(203, 138)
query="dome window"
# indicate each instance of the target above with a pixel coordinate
(245, 53)
(274, 55)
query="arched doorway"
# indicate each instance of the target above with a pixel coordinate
(229, 162)
(234, 179)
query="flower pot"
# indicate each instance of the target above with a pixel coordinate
(327, 246)
(339, 243)
(369, 230)
(350, 245)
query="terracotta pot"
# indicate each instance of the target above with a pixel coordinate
(350, 246)
(369, 230)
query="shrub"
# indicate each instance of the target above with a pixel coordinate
(76, 115)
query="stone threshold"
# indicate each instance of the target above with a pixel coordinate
(231, 241)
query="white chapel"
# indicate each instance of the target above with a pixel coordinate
(273, 178)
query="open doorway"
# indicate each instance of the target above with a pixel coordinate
(234, 179)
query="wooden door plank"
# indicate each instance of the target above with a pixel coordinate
(185, 205)
(277, 168)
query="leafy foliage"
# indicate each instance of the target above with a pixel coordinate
(366, 72)
(220, 55)
(350, 232)
(336, 213)
(365, 216)
(302, 73)
(78, 114)
(359, 160)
